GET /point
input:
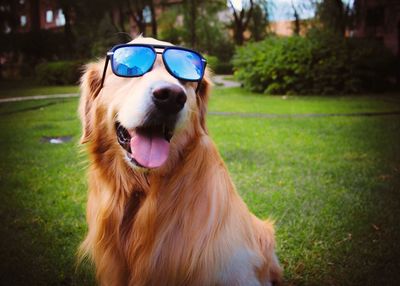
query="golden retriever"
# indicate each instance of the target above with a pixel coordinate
(179, 220)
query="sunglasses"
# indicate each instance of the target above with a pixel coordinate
(134, 60)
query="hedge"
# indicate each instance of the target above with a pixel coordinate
(219, 66)
(321, 63)
(58, 73)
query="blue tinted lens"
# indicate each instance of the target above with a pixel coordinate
(132, 61)
(183, 64)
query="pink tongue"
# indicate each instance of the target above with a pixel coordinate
(149, 151)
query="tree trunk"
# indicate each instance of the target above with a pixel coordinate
(67, 29)
(153, 19)
(241, 21)
(143, 28)
(296, 27)
(113, 20)
(121, 19)
(238, 31)
(193, 14)
(35, 16)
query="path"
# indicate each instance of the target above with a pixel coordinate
(215, 113)
(220, 80)
(299, 115)
(38, 97)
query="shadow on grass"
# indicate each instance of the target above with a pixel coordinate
(43, 193)
(31, 255)
(35, 248)
(9, 108)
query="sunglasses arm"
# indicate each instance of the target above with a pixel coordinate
(198, 87)
(105, 69)
(199, 82)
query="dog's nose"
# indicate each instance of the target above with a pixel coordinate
(169, 98)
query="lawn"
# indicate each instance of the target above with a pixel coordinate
(27, 88)
(332, 184)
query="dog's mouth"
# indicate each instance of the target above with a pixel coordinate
(147, 146)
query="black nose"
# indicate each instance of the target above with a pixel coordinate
(169, 98)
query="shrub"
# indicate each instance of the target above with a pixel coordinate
(34, 46)
(15, 71)
(218, 66)
(276, 65)
(61, 72)
(321, 63)
(212, 62)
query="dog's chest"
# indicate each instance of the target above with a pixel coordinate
(240, 269)
(237, 267)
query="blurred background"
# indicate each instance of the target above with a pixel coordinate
(305, 112)
(358, 40)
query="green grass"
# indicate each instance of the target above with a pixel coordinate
(29, 88)
(331, 184)
(238, 100)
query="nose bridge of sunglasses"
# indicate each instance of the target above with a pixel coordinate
(158, 62)
(159, 59)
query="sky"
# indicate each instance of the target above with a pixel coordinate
(282, 9)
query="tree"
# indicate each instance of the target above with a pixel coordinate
(135, 10)
(8, 16)
(68, 6)
(190, 18)
(296, 22)
(241, 19)
(334, 15)
(35, 15)
(195, 14)
(299, 8)
(244, 14)
(101, 23)
(153, 19)
(259, 22)
(169, 31)
(120, 12)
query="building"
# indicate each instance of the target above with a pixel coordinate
(50, 15)
(380, 19)
(286, 27)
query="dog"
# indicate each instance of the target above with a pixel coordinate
(162, 208)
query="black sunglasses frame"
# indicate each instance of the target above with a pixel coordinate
(110, 55)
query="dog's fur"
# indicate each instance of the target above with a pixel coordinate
(180, 224)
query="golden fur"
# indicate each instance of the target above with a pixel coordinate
(181, 224)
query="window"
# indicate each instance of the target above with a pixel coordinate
(49, 16)
(22, 21)
(147, 14)
(60, 18)
(7, 29)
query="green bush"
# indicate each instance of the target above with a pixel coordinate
(33, 47)
(58, 73)
(218, 66)
(321, 63)
(212, 62)
(224, 68)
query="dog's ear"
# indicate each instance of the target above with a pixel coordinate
(90, 87)
(202, 98)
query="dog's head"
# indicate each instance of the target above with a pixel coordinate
(145, 120)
